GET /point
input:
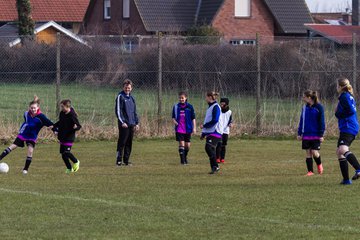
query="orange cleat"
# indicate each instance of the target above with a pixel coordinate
(320, 169)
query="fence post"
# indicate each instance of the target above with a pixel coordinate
(159, 83)
(354, 62)
(258, 85)
(58, 73)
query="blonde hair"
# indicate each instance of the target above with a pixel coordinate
(213, 95)
(345, 85)
(35, 101)
(313, 95)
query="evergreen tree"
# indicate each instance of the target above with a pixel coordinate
(203, 34)
(25, 22)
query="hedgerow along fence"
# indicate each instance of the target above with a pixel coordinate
(264, 81)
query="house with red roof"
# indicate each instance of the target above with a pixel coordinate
(67, 13)
(341, 33)
(237, 20)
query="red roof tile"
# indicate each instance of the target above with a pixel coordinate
(336, 33)
(47, 10)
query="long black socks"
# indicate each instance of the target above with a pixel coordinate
(66, 161)
(182, 154)
(309, 164)
(350, 157)
(344, 168)
(5, 153)
(27, 163)
(317, 160)
(186, 154)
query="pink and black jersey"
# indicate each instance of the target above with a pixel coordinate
(184, 114)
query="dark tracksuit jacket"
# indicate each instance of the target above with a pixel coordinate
(125, 109)
(65, 126)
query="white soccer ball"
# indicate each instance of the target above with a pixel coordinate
(4, 168)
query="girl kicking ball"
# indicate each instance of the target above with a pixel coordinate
(34, 120)
(212, 129)
(311, 130)
(183, 116)
(349, 127)
(65, 128)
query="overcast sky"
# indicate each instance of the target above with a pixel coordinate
(328, 5)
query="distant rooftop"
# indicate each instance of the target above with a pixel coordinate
(47, 10)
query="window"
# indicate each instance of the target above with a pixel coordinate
(242, 42)
(126, 8)
(242, 8)
(107, 9)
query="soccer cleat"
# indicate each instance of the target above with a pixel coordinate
(24, 172)
(357, 175)
(222, 160)
(320, 169)
(76, 166)
(128, 164)
(309, 174)
(346, 182)
(214, 170)
(68, 171)
(119, 163)
(218, 160)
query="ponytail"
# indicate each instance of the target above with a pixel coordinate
(313, 95)
(35, 101)
(345, 86)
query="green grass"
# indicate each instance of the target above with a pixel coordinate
(260, 193)
(95, 106)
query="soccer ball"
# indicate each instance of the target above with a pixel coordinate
(4, 168)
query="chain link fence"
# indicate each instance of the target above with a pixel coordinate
(264, 79)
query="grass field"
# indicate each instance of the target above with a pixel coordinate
(260, 193)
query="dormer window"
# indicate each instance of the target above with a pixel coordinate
(242, 8)
(107, 9)
(126, 8)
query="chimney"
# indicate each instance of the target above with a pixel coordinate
(355, 12)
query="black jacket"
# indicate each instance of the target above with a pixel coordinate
(65, 126)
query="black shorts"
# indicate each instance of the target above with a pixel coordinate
(311, 144)
(225, 138)
(21, 143)
(183, 137)
(345, 139)
(213, 141)
(64, 148)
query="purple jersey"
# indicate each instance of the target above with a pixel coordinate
(182, 122)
